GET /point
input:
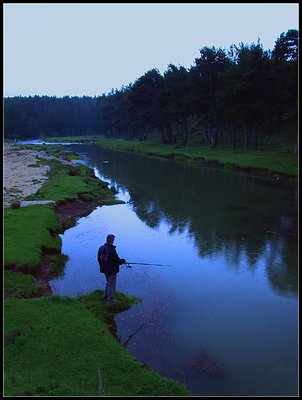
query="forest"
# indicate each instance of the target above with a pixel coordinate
(229, 96)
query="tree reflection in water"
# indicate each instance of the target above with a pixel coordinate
(220, 210)
(231, 240)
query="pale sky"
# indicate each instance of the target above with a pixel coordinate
(79, 49)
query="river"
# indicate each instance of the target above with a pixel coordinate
(221, 315)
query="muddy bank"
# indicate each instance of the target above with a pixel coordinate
(74, 209)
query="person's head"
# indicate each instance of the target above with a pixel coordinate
(110, 238)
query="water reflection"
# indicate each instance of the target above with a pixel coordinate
(223, 318)
(220, 211)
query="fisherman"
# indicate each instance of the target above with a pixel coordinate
(109, 263)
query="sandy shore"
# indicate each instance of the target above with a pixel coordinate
(23, 173)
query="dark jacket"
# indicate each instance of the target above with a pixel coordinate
(108, 259)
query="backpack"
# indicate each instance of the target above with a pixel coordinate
(103, 258)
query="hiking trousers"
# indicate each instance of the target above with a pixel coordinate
(110, 287)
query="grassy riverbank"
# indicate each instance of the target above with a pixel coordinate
(270, 161)
(55, 345)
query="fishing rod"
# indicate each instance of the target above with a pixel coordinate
(141, 263)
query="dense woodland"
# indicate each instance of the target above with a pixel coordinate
(232, 96)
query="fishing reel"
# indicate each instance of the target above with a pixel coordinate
(128, 265)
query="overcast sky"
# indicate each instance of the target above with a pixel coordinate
(74, 49)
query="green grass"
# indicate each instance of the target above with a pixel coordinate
(275, 159)
(20, 285)
(278, 160)
(26, 231)
(84, 138)
(66, 182)
(16, 281)
(55, 346)
(69, 181)
(55, 150)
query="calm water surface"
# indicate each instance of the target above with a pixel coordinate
(221, 317)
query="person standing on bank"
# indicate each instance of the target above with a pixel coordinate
(109, 263)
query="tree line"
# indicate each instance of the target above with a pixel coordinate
(32, 117)
(233, 95)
